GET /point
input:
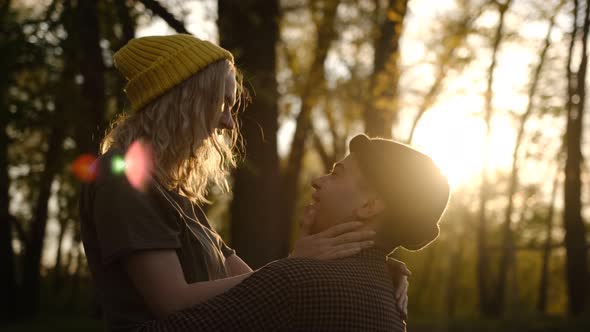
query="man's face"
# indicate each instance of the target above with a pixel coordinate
(339, 196)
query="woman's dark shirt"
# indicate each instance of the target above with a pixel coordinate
(117, 220)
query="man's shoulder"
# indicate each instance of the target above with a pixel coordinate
(326, 293)
(301, 271)
(292, 265)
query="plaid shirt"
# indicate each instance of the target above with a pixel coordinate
(295, 294)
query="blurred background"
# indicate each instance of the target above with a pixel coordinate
(493, 90)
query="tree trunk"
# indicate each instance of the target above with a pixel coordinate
(383, 91)
(337, 131)
(326, 33)
(127, 23)
(249, 29)
(75, 280)
(512, 263)
(53, 163)
(426, 275)
(34, 249)
(155, 7)
(454, 265)
(429, 98)
(83, 23)
(544, 283)
(575, 232)
(456, 38)
(92, 69)
(485, 303)
(8, 283)
(58, 268)
(507, 240)
(128, 33)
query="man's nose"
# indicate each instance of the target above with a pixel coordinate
(315, 183)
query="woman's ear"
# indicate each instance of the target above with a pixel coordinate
(371, 207)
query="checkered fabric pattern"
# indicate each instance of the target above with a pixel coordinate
(295, 294)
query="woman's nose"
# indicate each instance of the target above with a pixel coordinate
(226, 121)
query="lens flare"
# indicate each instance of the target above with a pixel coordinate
(138, 165)
(84, 168)
(117, 165)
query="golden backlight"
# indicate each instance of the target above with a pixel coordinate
(455, 141)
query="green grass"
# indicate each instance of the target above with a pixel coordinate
(520, 324)
(56, 323)
(62, 322)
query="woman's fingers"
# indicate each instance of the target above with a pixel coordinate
(403, 308)
(357, 236)
(348, 249)
(341, 253)
(341, 240)
(399, 274)
(341, 229)
(398, 267)
(402, 288)
(354, 245)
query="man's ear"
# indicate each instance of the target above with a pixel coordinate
(372, 207)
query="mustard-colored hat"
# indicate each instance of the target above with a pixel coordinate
(152, 65)
(414, 190)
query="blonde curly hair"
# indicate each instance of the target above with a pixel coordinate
(180, 127)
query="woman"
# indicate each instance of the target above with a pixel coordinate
(150, 248)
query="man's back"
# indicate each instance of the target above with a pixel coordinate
(354, 294)
(296, 294)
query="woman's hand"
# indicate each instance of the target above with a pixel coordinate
(399, 274)
(338, 241)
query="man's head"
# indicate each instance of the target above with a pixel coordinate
(396, 190)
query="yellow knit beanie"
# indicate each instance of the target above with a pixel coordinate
(152, 65)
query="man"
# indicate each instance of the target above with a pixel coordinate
(394, 190)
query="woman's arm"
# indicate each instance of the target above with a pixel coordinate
(158, 277)
(236, 266)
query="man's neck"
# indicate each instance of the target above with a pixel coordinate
(376, 252)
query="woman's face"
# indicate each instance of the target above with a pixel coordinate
(226, 120)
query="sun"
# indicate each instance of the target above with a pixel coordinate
(455, 140)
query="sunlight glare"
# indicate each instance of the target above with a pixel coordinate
(455, 141)
(138, 164)
(84, 168)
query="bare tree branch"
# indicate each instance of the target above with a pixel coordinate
(155, 7)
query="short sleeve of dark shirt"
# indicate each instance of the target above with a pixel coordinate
(226, 250)
(125, 218)
(116, 219)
